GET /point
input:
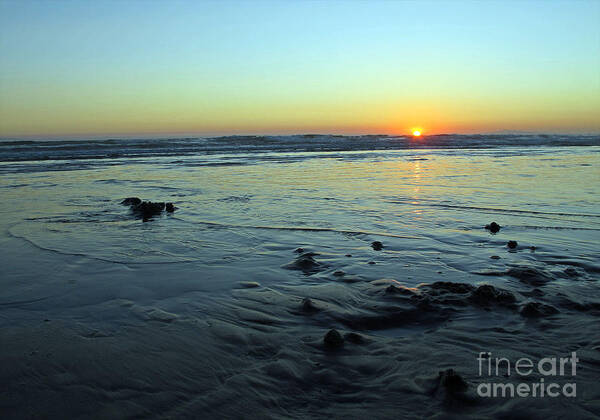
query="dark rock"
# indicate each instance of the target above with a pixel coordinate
(170, 207)
(333, 339)
(299, 250)
(495, 257)
(530, 275)
(305, 262)
(537, 309)
(348, 255)
(309, 306)
(339, 273)
(354, 338)
(512, 244)
(131, 201)
(452, 287)
(487, 294)
(452, 381)
(493, 227)
(371, 262)
(377, 246)
(148, 209)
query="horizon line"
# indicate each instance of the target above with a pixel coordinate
(180, 135)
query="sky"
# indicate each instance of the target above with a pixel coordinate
(70, 68)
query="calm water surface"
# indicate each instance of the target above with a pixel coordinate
(239, 207)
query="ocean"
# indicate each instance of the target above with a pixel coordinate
(222, 306)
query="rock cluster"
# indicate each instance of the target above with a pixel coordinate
(147, 209)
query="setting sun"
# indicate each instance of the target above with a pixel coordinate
(416, 133)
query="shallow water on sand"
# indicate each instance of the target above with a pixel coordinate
(204, 306)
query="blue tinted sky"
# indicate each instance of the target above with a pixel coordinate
(230, 67)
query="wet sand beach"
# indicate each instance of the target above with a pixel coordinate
(335, 281)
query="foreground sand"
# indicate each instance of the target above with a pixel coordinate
(253, 351)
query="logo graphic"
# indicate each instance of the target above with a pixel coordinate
(547, 367)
